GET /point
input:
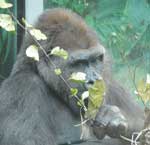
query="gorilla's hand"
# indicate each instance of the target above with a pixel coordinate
(109, 121)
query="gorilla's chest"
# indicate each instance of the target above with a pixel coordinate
(63, 122)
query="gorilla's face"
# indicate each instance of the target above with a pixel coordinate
(88, 61)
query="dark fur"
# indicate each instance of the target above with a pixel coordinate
(30, 111)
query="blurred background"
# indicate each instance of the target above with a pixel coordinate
(123, 27)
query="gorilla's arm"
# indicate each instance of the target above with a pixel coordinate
(122, 114)
(23, 111)
(132, 111)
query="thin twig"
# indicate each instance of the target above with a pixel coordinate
(126, 138)
(134, 140)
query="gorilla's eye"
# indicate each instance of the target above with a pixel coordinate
(97, 59)
(101, 57)
(81, 62)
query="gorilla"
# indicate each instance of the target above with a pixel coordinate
(34, 105)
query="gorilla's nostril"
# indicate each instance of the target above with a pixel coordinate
(90, 82)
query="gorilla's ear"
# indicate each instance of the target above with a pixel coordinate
(99, 47)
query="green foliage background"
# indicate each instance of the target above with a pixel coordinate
(8, 45)
(123, 27)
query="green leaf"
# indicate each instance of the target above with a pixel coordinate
(78, 77)
(143, 89)
(5, 5)
(79, 103)
(59, 52)
(74, 91)
(38, 34)
(26, 23)
(58, 71)
(96, 97)
(6, 22)
(32, 51)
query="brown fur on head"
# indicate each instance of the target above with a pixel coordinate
(66, 29)
(62, 16)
